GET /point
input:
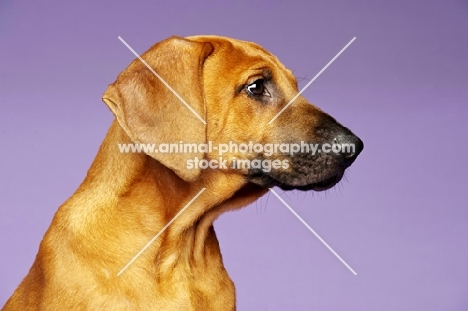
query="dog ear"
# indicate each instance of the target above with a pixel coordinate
(150, 113)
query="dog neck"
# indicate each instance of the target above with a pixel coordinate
(139, 196)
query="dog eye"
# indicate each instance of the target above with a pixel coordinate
(257, 88)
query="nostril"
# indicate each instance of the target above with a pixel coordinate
(350, 155)
(349, 158)
(350, 146)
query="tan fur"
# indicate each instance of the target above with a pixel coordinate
(126, 199)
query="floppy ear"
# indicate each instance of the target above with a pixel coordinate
(150, 113)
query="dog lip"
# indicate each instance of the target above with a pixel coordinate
(327, 183)
(317, 186)
(268, 181)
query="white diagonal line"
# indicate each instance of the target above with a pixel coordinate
(159, 233)
(312, 230)
(310, 82)
(162, 80)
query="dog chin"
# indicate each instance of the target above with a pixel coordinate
(267, 181)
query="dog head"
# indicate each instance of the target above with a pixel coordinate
(230, 93)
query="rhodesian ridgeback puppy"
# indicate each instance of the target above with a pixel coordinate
(126, 199)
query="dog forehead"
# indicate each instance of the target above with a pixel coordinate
(244, 55)
(221, 40)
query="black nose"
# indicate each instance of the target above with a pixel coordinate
(350, 147)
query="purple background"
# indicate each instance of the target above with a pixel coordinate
(400, 216)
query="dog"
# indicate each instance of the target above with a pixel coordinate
(232, 90)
